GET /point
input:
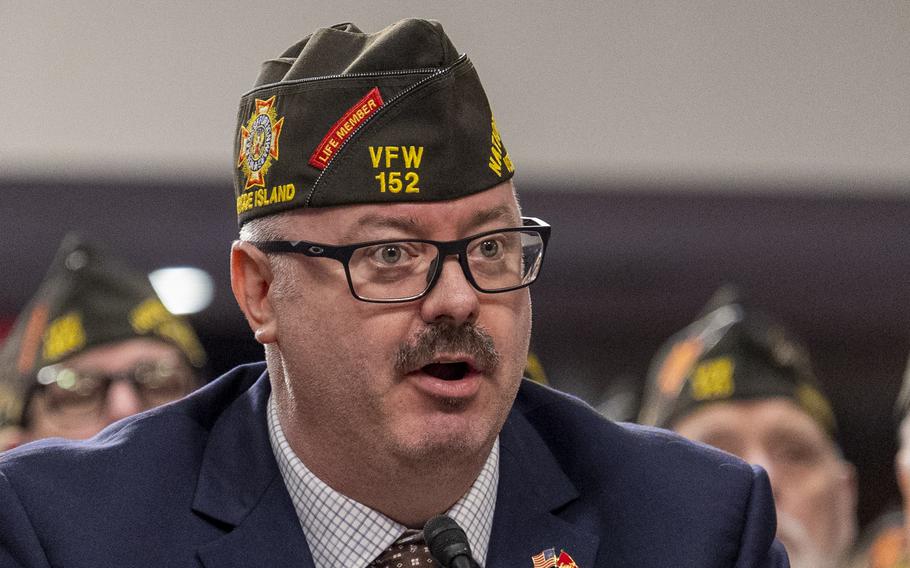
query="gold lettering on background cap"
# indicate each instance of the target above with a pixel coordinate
(816, 405)
(152, 317)
(63, 336)
(713, 379)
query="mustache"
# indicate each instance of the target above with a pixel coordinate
(447, 338)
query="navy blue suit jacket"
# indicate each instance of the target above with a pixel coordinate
(195, 483)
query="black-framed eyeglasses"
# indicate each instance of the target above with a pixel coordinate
(403, 270)
(74, 393)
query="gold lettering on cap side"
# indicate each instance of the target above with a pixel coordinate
(244, 202)
(405, 160)
(499, 158)
(412, 156)
(262, 197)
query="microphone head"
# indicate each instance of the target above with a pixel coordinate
(446, 540)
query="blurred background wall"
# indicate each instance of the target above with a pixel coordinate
(673, 146)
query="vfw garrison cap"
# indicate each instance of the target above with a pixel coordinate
(344, 117)
(87, 299)
(732, 352)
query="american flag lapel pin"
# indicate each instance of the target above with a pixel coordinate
(546, 559)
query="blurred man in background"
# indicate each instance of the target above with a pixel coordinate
(735, 380)
(94, 345)
(885, 546)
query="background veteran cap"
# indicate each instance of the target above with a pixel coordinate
(534, 369)
(731, 352)
(86, 300)
(345, 117)
(902, 408)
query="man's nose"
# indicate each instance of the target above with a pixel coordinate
(122, 401)
(452, 297)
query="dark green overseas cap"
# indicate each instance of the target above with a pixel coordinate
(344, 117)
(732, 352)
(87, 299)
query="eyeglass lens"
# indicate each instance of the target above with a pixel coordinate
(406, 269)
(72, 392)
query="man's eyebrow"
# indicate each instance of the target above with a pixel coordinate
(500, 213)
(375, 221)
(407, 224)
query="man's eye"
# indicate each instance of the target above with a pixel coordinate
(489, 248)
(797, 454)
(389, 254)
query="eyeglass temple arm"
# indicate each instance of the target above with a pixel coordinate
(300, 247)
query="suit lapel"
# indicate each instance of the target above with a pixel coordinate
(269, 536)
(532, 487)
(241, 490)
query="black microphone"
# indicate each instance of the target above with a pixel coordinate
(447, 543)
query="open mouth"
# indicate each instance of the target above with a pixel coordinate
(447, 371)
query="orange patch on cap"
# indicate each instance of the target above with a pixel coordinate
(677, 365)
(31, 339)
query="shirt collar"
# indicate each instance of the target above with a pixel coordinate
(343, 532)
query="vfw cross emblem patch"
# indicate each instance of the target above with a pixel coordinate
(259, 142)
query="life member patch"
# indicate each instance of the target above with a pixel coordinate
(362, 110)
(259, 142)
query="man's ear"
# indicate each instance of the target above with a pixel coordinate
(251, 279)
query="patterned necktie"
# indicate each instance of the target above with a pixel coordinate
(409, 551)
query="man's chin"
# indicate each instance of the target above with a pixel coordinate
(801, 549)
(443, 443)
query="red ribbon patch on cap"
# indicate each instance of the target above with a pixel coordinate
(362, 110)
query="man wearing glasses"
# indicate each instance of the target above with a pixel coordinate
(95, 345)
(383, 262)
